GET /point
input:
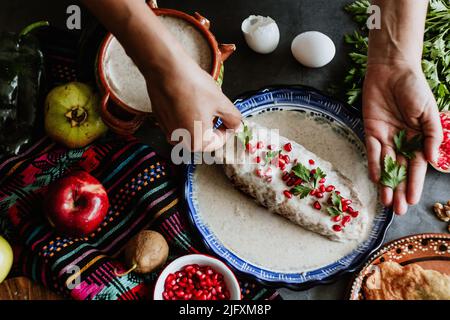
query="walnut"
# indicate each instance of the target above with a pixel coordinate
(442, 212)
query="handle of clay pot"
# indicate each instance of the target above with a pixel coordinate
(226, 50)
(203, 21)
(152, 4)
(109, 118)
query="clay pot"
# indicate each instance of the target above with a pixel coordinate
(122, 118)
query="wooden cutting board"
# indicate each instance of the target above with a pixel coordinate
(21, 288)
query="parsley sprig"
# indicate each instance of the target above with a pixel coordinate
(335, 209)
(406, 147)
(271, 155)
(393, 173)
(310, 181)
(245, 135)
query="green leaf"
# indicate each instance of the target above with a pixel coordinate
(245, 135)
(301, 191)
(333, 211)
(336, 200)
(318, 176)
(302, 172)
(271, 155)
(393, 173)
(406, 147)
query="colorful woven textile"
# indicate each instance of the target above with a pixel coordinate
(142, 192)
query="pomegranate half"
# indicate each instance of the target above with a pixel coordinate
(443, 163)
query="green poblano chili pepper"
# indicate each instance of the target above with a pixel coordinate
(21, 72)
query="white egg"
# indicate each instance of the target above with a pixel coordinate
(261, 33)
(313, 49)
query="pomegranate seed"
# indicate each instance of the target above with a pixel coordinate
(298, 182)
(338, 192)
(346, 220)
(317, 205)
(270, 147)
(337, 228)
(347, 201)
(311, 162)
(260, 145)
(336, 218)
(291, 181)
(312, 192)
(179, 294)
(248, 146)
(344, 208)
(288, 147)
(322, 188)
(285, 176)
(258, 159)
(286, 158)
(170, 277)
(354, 214)
(287, 194)
(283, 166)
(319, 195)
(258, 172)
(330, 188)
(313, 172)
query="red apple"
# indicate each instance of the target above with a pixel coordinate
(76, 204)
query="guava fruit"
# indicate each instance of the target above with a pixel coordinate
(72, 115)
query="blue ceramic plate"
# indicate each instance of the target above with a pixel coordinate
(303, 99)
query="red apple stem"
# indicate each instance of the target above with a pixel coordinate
(121, 274)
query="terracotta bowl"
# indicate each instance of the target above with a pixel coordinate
(433, 164)
(122, 118)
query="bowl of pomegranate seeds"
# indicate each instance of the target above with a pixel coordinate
(197, 277)
(443, 163)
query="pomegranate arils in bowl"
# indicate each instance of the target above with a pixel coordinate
(195, 282)
(197, 277)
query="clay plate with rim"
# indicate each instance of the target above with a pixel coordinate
(430, 251)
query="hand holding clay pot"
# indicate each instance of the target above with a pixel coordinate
(183, 52)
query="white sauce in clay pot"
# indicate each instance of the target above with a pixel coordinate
(127, 81)
(266, 239)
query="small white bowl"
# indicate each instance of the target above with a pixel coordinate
(202, 260)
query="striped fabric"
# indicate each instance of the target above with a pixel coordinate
(142, 192)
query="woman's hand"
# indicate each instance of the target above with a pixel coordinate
(184, 94)
(180, 91)
(396, 96)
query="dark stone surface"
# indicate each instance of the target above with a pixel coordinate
(248, 71)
